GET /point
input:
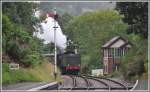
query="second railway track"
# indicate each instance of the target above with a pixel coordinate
(78, 82)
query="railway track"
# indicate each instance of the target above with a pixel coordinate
(111, 84)
(80, 82)
(83, 82)
(76, 83)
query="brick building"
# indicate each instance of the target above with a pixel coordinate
(112, 52)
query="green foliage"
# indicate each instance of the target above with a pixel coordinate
(48, 48)
(13, 76)
(115, 74)
(18, 43)
(136, 15)
(14, 50)
(21, 13)
(64, 19)
(91, 30)
(32, 59)
(34, 74)
(134, 62)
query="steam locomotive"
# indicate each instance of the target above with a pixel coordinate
(70, 61)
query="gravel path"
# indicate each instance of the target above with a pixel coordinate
(68, 82)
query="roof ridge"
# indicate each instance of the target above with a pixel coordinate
(113, 40)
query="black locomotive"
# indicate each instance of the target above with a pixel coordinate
(70, 61)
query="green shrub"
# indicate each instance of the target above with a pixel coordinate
(19, 45)
(14, 50)
(6, 78)
(134, 63)
(13, 76)
(32, 59)
(116, 74)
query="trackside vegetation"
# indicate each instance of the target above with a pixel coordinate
(21, 47)
(40, 73)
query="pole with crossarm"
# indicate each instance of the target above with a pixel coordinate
(55, 39)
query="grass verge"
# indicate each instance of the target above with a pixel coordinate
(40, 73)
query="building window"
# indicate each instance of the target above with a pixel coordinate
(111, 52)
(118, 52)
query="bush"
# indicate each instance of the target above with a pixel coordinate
(13, 76)
(134, 63)
(19, 45)
(132, 66)
(14, 50)
(32, 59)
(116, 74)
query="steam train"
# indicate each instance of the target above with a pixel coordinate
(70, 61)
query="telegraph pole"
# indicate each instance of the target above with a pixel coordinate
(55, 39)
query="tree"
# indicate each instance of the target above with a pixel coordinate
(64, 19)
(136, 15)
(18, 42)
(91, 30)
(21, 14)
(133, 63)
(48, 48)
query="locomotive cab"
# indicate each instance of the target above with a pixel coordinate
(71, 63)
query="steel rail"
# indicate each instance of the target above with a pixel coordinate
(99, 81)
(122, 85)
(87, 82)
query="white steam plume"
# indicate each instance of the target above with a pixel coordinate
(48, 33)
